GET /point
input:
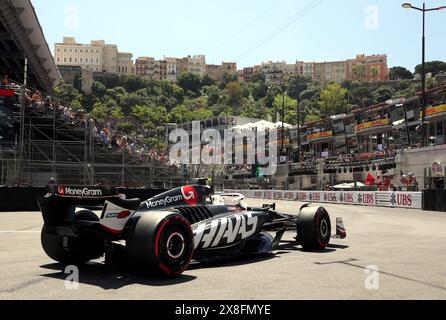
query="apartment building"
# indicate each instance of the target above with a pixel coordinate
(160, 72)
(125, 63)
(182, 65)
(374, 67)
(145, 66)
(273, 72)
(289, 70)
(248, 74)
(197, 65)
(217, 71)
(172, 69)
(96, 56)
(71, 54)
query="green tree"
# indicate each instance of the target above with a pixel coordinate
(296, 85)
(375, 72)
(290, 109)
(67, 93)
(202, 114)
(253, 109)
(180, 114)
(333, 99)
(359, 71)
(235, 93)
(100, 111)
(400, 73)
(189, 82)
(312, 117)
(258, 89)
(207, 80)
(213, 94)
(434, 67)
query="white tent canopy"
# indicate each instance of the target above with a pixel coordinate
(260, 126)
(349, 185)
(279, 125)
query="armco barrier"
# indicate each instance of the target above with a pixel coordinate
(434, 200)
(14, 199)
(410, 200)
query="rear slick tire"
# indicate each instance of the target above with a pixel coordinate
(313, 228)
(162, 242)
(80, 250)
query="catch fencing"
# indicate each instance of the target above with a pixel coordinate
(409, 200)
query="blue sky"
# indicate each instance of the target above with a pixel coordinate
(250, 31)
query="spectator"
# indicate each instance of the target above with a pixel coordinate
(51, 184)
(5, 80)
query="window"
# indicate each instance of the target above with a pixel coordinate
(71, 59)
(64, 59)
(58, 59)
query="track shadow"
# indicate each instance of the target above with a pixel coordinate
(112, 278)
(293, 246)
(286, 247)
(338, 246)
(233, 262)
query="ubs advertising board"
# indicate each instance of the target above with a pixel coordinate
(410, 200)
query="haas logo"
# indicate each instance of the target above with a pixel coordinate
(61, 190)
(190, 195)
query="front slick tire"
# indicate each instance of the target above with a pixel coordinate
(161, 242)
(313, 228)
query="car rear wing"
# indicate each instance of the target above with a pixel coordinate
(59, 205)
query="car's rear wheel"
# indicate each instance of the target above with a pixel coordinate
(313, 228)
(162, 242)
(76, 250)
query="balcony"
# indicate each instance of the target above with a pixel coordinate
(373, 126)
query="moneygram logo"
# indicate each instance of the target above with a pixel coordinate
(164, 202)
(190, 195)
(61, 190)
(85, 192)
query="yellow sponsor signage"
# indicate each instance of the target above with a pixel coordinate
(319, 135)
(373, 124)
(435, 110)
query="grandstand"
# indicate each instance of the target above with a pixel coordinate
(40, 138)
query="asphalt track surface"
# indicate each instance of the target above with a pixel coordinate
(408, 248)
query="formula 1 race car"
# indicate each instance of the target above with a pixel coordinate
(167, 231)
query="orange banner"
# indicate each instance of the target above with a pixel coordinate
(435, 110)
(372, 124)
(319, 135)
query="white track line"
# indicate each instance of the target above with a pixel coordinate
(6, 232)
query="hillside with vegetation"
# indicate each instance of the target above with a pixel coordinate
(140, 102)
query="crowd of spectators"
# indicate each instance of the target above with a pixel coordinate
(109, 135)
(243, 169)
(106, 133)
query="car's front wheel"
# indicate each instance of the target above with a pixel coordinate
(313, 228)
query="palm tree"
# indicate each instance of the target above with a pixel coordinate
(375, 72)
(359, 71)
